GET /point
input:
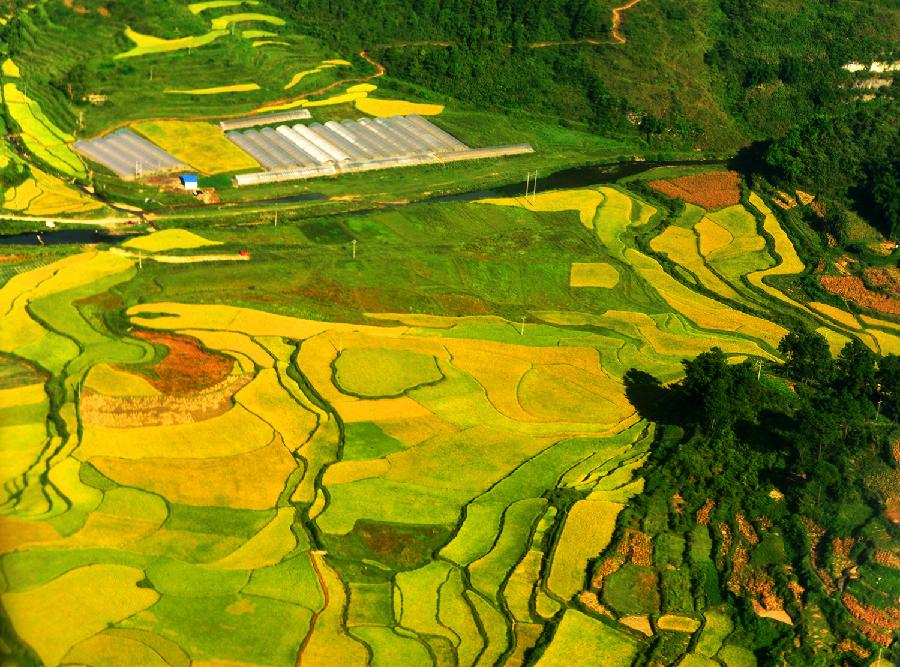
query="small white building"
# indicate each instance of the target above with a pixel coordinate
(189, 181)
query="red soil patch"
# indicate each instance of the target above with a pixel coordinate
(187, 367)
(710, 191)
(853, 288)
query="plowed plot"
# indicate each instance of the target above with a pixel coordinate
(851, 287)
(187, 367)
(711, 191)
(127, 411)
(887, 279)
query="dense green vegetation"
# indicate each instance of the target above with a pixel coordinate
(778, 456)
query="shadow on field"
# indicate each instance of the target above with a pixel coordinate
(650, 398)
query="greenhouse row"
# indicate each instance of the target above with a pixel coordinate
(336, 168)
(348, 141)
(127, 154)
(269, 119)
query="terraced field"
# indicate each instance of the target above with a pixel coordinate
(225, 484)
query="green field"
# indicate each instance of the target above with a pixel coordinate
(457, 470)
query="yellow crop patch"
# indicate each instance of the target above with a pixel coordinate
(678, 623)
(362, 88)
(790, 262)
(589, 527)
(201, 145)
(343, 98)
(681, 246)
(54, 617)
(10, 69)
(593, 274)
(18, 397)
(713, 237)
(299, 76)
(40, 135)
(224, 22)
(253, 480)
(836, 314)
(109, 381)
(169, 239)
(324, 65)
(146, 44)
(218, 90)
(384, 108)
(267, 547)
(199, 7)
(703, 311)
(235, 432)
(585, 202)
(375, 372)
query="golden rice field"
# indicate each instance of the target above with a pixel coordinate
(593, 274)
(201, 145)
(43, 194)
(217, 90)
(378, 107)
(42, 138)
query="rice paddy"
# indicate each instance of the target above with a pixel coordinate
(201, 145)
(379, 107)
(218, 90)
(45, 140)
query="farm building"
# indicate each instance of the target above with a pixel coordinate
(306, 151)
(189, 181)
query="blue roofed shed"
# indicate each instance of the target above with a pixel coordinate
(189, 181)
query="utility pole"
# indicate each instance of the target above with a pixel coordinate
(527, 184)
(140, 259)
(276, 216)
(151, 72)
(354, 248)
(522, 329)
(759, 365)
(534, 191)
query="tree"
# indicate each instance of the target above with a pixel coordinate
(855, 370)
(888, 378)
(807, 356)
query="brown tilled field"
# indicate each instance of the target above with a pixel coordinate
(187, 367)
(887, 279)
(853, 288)
(711, 191)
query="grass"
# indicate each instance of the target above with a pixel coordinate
(201, 145)
(632, 590)
(716, 629)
